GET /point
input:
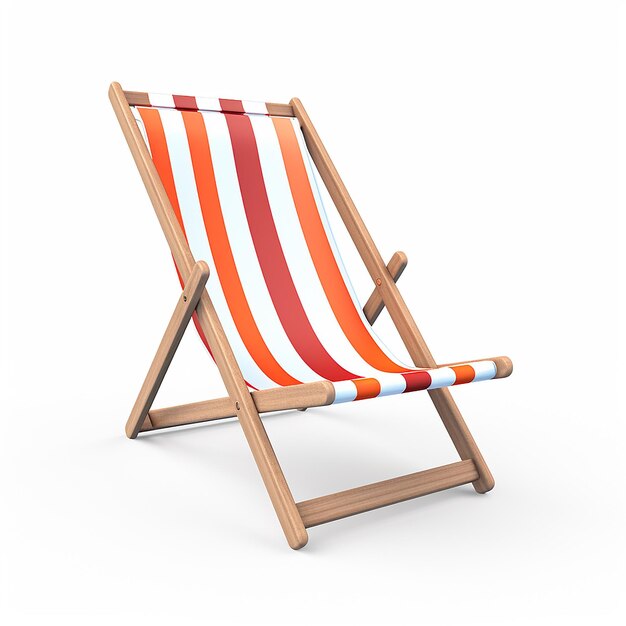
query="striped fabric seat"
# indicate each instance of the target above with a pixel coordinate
(243, 187)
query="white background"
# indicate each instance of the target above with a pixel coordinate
(479, 137)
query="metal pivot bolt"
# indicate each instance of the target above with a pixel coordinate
(379, 282)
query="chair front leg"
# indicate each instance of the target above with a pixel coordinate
(185, 307)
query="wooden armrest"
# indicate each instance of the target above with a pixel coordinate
(374, 306)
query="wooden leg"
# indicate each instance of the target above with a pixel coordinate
(173, 334)
(461, 437)
(254, 431)
(273, 477)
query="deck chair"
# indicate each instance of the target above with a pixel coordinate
(235, 187)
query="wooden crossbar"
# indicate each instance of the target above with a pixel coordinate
(345, 503)
(321, 393)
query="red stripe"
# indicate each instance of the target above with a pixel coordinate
(185, 102)
(417, 381)
(270, 254)
(212, 214)
(231, 106)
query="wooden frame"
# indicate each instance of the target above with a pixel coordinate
(246, 405)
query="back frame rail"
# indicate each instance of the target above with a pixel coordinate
(246, 405)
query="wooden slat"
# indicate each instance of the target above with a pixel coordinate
(376, 495)
(171, 339)
(303, 396)
(137, 98)
(375, 305)
(286, 110)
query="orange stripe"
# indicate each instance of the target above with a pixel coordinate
(366, 388)
(161, 156)
(464, 374)
(222, 252)
(322, 254)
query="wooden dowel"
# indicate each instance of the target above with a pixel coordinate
(504, 365)
(173, 334)
(307, 395)
(376, 495)
(299, 397)
(375, 305)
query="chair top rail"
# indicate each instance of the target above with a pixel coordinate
(197, 103)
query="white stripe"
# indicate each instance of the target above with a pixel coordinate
(485, 370)
(161, 100)
(208, 104)
(249, 106)
(345, 391)
(244, 253)
(441, 377)
(184, 180)
(142, 128)
(391, 384)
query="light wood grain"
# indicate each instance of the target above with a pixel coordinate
(386, 492)
(303, 396)
(171, 339)
(375, 304)
(283, 110)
